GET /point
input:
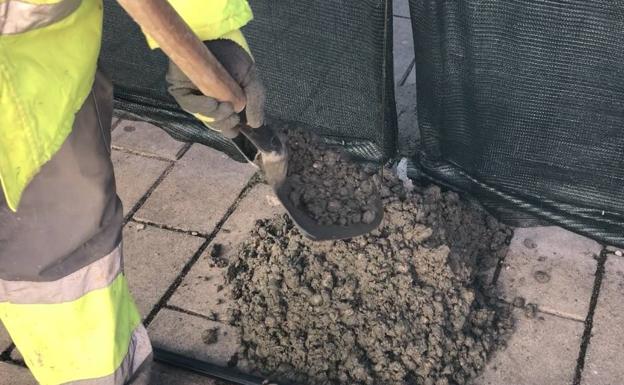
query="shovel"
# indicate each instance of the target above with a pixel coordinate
(158, 19)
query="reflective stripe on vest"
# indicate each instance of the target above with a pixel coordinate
(21, 16)
(82, 329)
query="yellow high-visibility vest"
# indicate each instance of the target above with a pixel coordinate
(48, 56)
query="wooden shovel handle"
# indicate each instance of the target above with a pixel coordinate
(159, 20)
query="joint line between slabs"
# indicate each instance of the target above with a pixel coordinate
(183, 150)
(193, 233)
(153, 187)
(407, 72)
(542, 311)
(143, 154)
(116, 120)
(589, 321)
(148, 193)
(191, 313)
(253, 181)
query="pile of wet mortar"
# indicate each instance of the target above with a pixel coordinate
(401, 305)
(326, 184)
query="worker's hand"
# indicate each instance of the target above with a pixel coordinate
(220, 116)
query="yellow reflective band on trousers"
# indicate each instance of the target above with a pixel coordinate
(83, 339)
(45, 75)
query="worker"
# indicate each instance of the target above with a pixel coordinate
(63, 295)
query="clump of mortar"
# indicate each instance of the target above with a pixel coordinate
(397, 306)
(326, 185)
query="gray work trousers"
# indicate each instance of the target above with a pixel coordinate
(64, 244)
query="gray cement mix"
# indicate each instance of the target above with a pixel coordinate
(326, 184)
(401, 305)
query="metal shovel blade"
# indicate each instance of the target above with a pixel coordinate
(274, 163)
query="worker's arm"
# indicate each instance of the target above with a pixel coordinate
(217, 23)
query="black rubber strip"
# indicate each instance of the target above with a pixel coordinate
(205, 368)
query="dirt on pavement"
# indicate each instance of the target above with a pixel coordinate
(402, 305)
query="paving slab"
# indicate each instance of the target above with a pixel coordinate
(403, 47)
(5, 339)
(153, 259)
(135, 175)
(197, 193)
(409, 135)
(203, 290)
(401, 8)
(167, 375)
(146, 138)
(542, 350)
(15, 375)
(186, 334)
(603, 362)
(550, 267)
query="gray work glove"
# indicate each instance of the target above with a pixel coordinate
(220, 116)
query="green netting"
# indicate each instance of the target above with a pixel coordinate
(326, 64)
(521, 103)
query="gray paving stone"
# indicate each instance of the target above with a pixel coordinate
(541, 351)
(5, 340)
(198, 191)
(401, 8)
(403, 47)
(182, 333)
(167, 375)
(202, 291)
(153, 259)
(551, 267)
(409, 135)
(603, 363)
(145, 138)
(135, 175)
(15, 375)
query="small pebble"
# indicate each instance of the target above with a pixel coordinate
(530, 311)
(270, 322)
(140, 226)
(618, 253)
(210, 336)
(541, 276)
(194, 233)
(368, 217)
(529, 243)
(519, 302)
(316, 300)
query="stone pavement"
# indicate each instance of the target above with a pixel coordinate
(181, 201)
